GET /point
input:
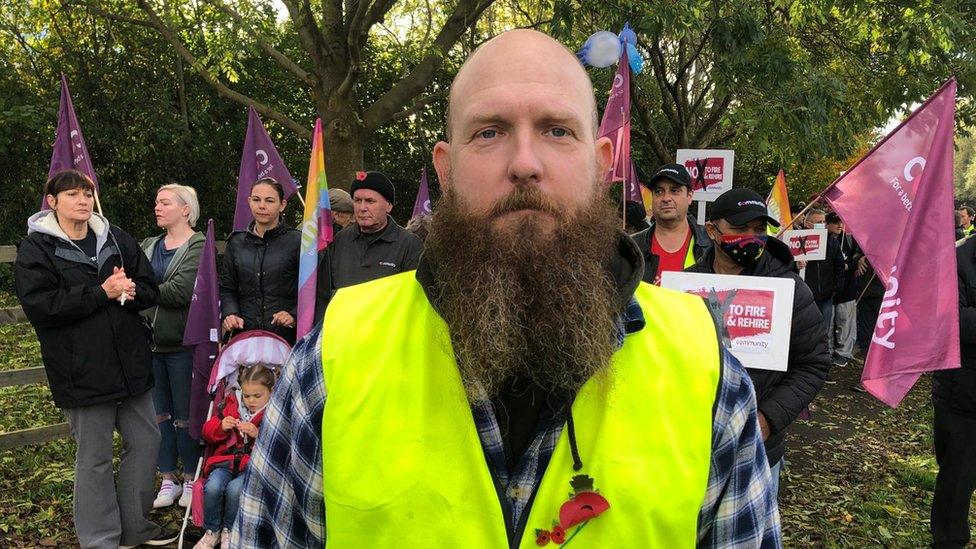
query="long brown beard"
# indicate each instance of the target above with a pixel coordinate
(526, 301)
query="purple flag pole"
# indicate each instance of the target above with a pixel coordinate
(70, 152)
(202, 331)
(259, 159)
(421, 206)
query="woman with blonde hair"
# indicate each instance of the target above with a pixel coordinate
(174, 257)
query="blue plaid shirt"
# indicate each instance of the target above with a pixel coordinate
(282, 503)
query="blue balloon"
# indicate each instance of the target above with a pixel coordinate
(635, 59)
(601, 49)
(628, 36)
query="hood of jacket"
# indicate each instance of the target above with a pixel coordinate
(46, 222)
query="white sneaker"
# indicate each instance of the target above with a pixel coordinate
(225, 539)
(208, 541)
(187, 496)
(169, 492)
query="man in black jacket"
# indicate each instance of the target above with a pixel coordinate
(674, 241)
(845, 299)
(82, 283)
(825, 278)
(954, 396)
(373, 247)
(737, 226)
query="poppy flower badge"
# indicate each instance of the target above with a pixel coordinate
(360, 176)
(584, 505)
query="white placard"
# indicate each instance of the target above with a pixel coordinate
(807, 244)
(710, 170)
(756, 313)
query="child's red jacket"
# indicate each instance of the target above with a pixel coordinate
(228, 447)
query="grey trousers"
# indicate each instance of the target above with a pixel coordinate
(109, 514)
(845, 328)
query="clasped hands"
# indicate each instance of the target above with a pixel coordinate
(118, 286)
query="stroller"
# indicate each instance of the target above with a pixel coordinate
(251, 347)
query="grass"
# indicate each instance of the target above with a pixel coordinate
(858, 475)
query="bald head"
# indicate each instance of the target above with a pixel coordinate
(517, 58)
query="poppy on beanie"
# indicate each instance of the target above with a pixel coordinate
(374, 181)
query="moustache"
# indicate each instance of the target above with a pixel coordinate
(525, 198)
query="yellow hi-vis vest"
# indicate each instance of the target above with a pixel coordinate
(403, 465)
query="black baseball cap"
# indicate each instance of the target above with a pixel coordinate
(740, 206)
(672, 172)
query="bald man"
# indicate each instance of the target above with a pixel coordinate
(523, 360)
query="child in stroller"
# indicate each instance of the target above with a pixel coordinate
(230, 433)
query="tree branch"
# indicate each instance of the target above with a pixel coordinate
(395, 99)
(222, 90)
(309, 33)
(418, 105)
(278, 57)
(710, 123)
(647, 124)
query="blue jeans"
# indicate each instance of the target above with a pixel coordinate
(220, 499)
(171, 396)
(775, 471)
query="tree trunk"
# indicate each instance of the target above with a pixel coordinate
(345, 141)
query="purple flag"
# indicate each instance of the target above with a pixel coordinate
(616, 123)
(421, 206)
(897, 202)
(69, 151)
(634, 185)
(202, 331)
(260, 159)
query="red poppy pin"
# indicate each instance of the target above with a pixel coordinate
(360, 176)
(584, 505)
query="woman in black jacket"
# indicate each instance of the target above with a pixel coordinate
(259, 279)
(82, 284)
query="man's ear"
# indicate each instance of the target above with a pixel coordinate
(711, 230)
(603, 148)
(442, 164)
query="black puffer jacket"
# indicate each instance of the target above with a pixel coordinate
(957, 388)
(260, 277)
(94, 349)
(783, 395)
(700, 244)
(825, 278)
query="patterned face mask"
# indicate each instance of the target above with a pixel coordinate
(744, 249)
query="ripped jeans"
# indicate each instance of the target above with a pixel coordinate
(171, 396)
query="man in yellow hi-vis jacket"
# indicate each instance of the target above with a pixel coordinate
(523, 386)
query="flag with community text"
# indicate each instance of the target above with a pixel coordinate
(70, 151)
(260, 159)
(616, 124)
(897, 202)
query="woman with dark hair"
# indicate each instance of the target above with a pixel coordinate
(174, 257)
(82, 283)
(259, 279)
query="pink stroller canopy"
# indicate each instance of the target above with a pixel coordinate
(252, 347)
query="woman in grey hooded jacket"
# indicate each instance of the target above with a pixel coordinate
(174, 257)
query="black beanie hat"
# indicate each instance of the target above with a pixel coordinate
(374, 181)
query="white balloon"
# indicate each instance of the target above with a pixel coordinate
(602, 49)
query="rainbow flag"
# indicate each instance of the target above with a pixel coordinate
(316, 232)
(778, 204)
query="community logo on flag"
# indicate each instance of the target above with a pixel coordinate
(260, 159)
(616, 123)
(421, 206)
(897, 203)
(70, 151)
